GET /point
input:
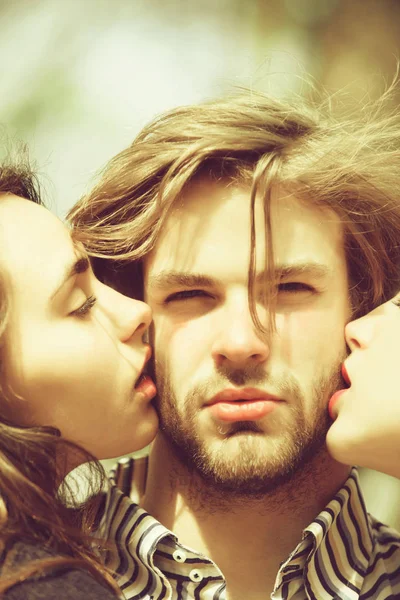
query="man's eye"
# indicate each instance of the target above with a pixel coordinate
(186, 295)
(295, 286)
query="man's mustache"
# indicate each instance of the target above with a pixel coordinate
(249, 375)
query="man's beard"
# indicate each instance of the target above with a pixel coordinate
(249, 472)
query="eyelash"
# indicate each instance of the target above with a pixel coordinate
(86, 307)
(396, 301)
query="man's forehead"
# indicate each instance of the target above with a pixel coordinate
(297, 252)
(220, 238)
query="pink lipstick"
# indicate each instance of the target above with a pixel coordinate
(339, 393)
(333, 401)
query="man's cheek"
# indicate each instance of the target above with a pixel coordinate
(188, 352)
(308, 338)
(164, 334)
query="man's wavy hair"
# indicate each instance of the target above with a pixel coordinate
(34, 507)
(350, 165)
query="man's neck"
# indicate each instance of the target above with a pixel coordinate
(247, 537)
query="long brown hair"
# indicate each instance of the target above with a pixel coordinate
(34, 507)
(350, 166)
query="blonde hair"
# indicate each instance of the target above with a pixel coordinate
(349, 165)
(34, 508)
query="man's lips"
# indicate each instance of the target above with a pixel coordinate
(236, 394)
(247, 404)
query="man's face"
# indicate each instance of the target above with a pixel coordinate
(246, 410)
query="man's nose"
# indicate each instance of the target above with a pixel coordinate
(237, 340)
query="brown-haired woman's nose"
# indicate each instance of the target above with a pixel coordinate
(137, 320)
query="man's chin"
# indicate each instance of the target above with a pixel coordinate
(243, 427)
(244, 470)
(242, 434)
(246, 458)
(243, 444)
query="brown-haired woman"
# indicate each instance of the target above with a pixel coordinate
(72, 357)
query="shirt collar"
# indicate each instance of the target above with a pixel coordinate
(332, 555)
(342, 544)
(124, 523)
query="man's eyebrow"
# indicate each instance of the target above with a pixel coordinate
(169, 279)
(80, 265)
(311, 269)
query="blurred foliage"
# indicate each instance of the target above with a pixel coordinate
(79, 79)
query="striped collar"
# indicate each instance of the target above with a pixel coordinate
(342, 545)
(332, 559)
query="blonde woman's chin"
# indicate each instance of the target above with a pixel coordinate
(376, 448)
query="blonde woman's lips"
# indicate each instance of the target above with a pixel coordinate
(337, 395)
(345, 375)
(332, 402)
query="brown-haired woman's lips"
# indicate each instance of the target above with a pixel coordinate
(146, 386)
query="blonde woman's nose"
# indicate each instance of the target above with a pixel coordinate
(359, 333)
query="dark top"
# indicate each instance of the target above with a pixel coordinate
(67, 584)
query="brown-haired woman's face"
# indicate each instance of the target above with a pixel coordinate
(74, 346)
(366, 428)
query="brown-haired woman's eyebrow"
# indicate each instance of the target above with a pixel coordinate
(79, 265)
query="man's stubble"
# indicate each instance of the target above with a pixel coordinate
(255, 469)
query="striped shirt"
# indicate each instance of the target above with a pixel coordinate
(344, 554)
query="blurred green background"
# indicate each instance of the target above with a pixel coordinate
(79, 79)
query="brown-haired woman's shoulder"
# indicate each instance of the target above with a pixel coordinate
(63, 583)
